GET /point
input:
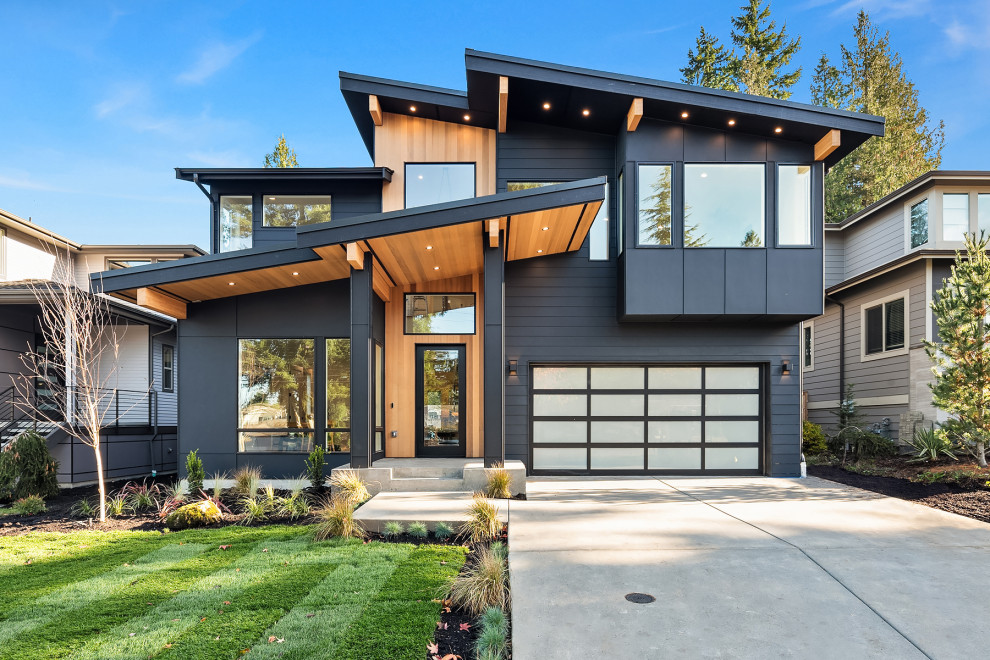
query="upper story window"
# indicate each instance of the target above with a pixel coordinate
(884, 327)
(919, 223)
(168, 368)
(236, 222)
(439, 314)
(794, 205)
(983, 212)
(296, 210)
(955, 216)
(653, 223)
(598, 235)
(724, 205)
(435, 183)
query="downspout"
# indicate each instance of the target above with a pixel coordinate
(842, 346)
(153, 401)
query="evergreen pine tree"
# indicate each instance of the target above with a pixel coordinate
(711, 65)
(764, 52)
(282, 155)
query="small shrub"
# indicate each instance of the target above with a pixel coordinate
(246, 481)
(255, 510)
(494, 617)
(499, 482)
(175, 496)
(84, 509)
(196, 514)
(141, 497)
(442, 531)
(929, 445)
(500, 550)
(483, 585)
(348, 483)
(195, 474)
(337, 520)
(314, 468)
(27, 468)
(493, 640)
(269, 494)
(392, 529)
(482, 524)
(31, 505)
(813, 439)
(874, 445)
(118, 505)
(294, 506)
(418, 530)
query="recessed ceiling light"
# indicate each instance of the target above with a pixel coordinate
(704, 175)
(778, 130)
(546, 228)
(732, 122)
(586, 112)
(271, 199)
(429, 247)
(546, 106)
(420, 176)
(684, 115)
(412, 108)
(295, 273)
(539, 252)
(436, 268)
(230, 284)
(467, 117)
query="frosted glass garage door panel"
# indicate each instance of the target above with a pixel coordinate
(675, 405)
(617, 431)
(620, 405)
(616, 459)
(559, 459)
(675, 378)
(674, 458)
(617, 378)
(732, 378)
(732, 458)
(560, 405)
(732, 405)
(732, 432)
(674, 432)
(560, 432)
(560, 378)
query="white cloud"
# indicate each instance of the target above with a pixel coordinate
(884, 9)
(123, 96)
(214, 58)
(23, 181)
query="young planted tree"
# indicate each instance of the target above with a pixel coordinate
(764, 52)
(282, 155)
(962, 357)
(711, 65)
(76, 364)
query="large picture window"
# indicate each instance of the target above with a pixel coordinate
(654, 219)
(439, 314)
(435, 183)
(794, 205)
(338, 395)
(236, 223)
(724, 205)
(275, 397)
(296, 210)
(919, 223)
(884, 326)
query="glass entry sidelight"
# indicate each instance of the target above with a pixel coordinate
(440, 380)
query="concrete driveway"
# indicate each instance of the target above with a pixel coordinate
(742, 568)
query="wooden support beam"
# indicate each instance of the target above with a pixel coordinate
(355, 256)
(161, 303)
(375, 109)
(503, 102)
(381, 282)
(493, 226)
(828, 144)
(635, 114)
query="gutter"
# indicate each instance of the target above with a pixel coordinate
(842, 344)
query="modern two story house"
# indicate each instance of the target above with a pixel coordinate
(585, 271)
(883, 266)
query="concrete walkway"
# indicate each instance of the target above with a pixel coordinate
(742, 568)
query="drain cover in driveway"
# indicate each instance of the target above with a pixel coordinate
(636, 597)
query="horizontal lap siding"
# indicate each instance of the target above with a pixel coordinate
(167, 401)
(873, 242)
(835, 259)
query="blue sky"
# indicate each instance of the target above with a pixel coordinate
(102, 99)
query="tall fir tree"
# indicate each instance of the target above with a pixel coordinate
(282, 155)
(711, 65)
(764, 52)
(871, 79)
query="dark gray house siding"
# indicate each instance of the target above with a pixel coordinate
(16, 334)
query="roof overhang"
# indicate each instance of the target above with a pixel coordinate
(212, 175)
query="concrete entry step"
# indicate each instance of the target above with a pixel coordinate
(429, 507)
(434, 474)
(402, 484)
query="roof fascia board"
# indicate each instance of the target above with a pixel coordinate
(888, 267)
(36, 231)
(213, 175)
(397, 89)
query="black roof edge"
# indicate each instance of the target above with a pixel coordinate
(212, 174)
(452, 213)
(208, 265)
(635, 86)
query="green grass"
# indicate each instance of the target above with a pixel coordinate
(143, 594)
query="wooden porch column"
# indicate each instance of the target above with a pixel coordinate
(494, 347)
(362, 351)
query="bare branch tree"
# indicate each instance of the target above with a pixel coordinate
(76, 365)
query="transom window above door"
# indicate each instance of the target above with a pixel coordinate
(435, 183)
(439, 314)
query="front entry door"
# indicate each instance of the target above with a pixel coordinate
(440, 380)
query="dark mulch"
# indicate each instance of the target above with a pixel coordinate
(972, 502)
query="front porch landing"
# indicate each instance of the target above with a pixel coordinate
(452, 475)
(429, 507)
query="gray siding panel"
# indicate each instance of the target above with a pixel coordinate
(873, 243)
(835, 259)
(16, 335)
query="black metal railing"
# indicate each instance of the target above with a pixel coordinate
(117, 408)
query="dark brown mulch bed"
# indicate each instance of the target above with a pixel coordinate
(973, 502)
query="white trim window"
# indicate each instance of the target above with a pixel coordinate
(808, 346)
(168, 368)
(918, 223)
(884, 327)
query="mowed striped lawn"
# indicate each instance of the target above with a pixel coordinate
(100, 595)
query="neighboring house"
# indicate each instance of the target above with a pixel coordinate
(145, 379)
(585, 271)
(882, 268)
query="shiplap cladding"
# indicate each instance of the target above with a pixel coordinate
(26, 257)
(167, 401)
(873, 242)
(835, 257)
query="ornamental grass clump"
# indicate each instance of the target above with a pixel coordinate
(247, 479)
(483, 585)
(929, 444)
(499, 482)
(118, 505)
(31, 505)
(392, 529)
(482, 524)
(336, 519)
(294, 506)
(217, 489)
(418, 530)
(349, 484)
(141, 497)
(255, 510)
(442, 531)
(493, 640)
(84, 509)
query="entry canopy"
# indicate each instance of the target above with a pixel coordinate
(409, 246)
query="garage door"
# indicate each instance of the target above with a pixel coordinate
(647, 418)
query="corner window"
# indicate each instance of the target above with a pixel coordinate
(919, 223)
(338, 395)
(983, 212)
(654, 218)
(236, 223)
(724, 205)
(435, 183)
(439, 314)
(296, 210)
(808, 346)
(794, 205)
(955, 216)
(884, 327)
(168, 368)
(275, 395)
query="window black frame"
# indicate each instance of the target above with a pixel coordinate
(474, 297)
(808, 347)
(169, 384)
(405, 176)
(378, 384)
(884, 326)
(262, 196)
(218, 214)
(435, 452)
(776, 207)
(674, 180)
(326, 426)
(766, 207)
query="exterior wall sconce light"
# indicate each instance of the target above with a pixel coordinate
(510, 367)
(785, 368)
